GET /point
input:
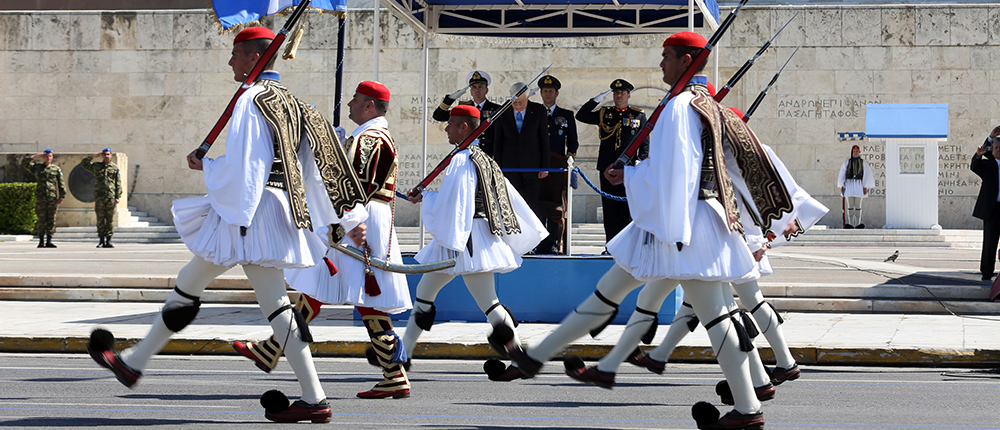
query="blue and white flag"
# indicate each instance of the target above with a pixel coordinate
(234, 14)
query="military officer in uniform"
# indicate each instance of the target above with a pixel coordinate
(107, 192)
(49, 192)
(479, 86)
(616, 126)
(562, 126)
(563, 142)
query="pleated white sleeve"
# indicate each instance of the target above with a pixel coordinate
(235, 181)
(868, 180)
(663, 189)
(447, 213)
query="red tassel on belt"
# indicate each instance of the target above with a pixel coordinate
(371, 284)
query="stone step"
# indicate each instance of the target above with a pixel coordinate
(123, 229)
(797, 297)
(592, 234)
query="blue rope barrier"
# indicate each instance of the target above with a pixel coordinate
(512, 170)
(576, 170)
(573, 183)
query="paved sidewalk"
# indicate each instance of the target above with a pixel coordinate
(815, 338)
(954, 338)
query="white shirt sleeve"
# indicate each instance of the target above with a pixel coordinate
(447, 213)
(663, 189)
(842, 176)
(235, 181)
(868, 180)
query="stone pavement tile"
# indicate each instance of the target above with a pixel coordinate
(929, 331)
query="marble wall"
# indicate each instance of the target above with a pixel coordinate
(152, 84)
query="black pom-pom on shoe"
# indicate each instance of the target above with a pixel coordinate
(100, 340)
(704, 414)
(494, 368)
(573, 362)
(274, 401)
(501, 336)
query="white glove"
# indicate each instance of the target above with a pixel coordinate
(532, 91)
(601, 97)
(455, 95)
(341, 134)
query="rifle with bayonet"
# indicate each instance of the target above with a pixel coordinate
(268, 54)
(676, 88)
(760, 97)
(721, 94)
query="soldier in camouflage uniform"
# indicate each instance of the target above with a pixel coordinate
(50, 191)
(107, 192)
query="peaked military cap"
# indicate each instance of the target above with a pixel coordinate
(621, 84)
(478, 76)
(549, 81)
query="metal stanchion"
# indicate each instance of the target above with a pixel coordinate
(569, 205)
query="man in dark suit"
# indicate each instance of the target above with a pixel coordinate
(521, 141)
(563, 142)
(985, 165)
(479, 86)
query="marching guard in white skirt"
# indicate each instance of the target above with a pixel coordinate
(478, 219)
(282, 173)
(686, 229)
(375, 293)
(806, 213)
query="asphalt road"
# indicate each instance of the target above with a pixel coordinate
(69, 391)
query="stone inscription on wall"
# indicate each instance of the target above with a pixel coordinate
(954, 176)
(821, 107)
(409, 169)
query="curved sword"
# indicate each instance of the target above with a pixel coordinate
(409, 269)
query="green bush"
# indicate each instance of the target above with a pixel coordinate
(17, 208)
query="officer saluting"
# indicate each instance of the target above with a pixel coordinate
(479, 83)
(616, 126)
(50, 191)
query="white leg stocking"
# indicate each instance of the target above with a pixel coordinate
(483, 290)
(428, 288)
(709, 302)
(192, 280)
(757, 372)
(767, 321)
(675, 334)
(614, 286)
(650, 299)
(269, 285)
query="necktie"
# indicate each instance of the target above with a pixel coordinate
(519, 118)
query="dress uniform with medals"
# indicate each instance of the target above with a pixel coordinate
(486, 108)
(563, 142)
(562, 125)
(616, 128)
